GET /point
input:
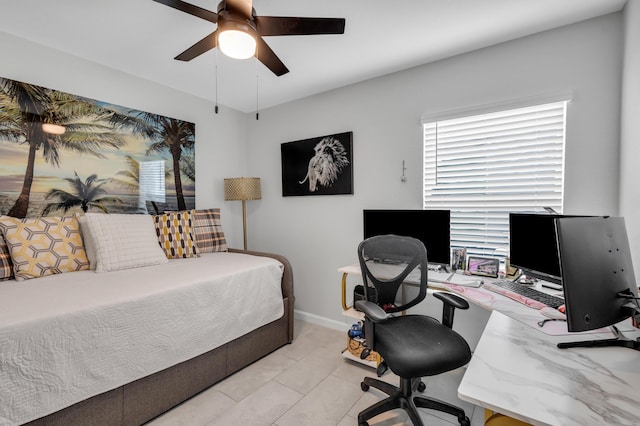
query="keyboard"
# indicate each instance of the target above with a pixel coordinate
(525, 295)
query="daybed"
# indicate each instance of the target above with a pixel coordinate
(122, 347)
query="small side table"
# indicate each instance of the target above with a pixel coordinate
(350, 312)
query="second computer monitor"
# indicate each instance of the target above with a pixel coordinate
(533, 246)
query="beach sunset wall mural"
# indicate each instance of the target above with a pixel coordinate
(62, 153)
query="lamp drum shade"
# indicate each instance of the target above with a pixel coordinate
(242, 189)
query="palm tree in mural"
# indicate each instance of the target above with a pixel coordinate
(168, 134)
(81, 125)
(188, 166)
(131, 178)
(86, 194)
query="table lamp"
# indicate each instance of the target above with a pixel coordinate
(242, 189)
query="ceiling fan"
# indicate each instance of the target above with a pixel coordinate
(240, 31)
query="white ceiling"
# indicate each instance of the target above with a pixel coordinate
(141, 37)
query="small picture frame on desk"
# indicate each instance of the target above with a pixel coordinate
(458, 259)
(483, 266)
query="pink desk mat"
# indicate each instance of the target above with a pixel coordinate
(526, 312)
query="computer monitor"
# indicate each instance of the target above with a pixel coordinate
(432, 227)
(597, 273)
(533, 247)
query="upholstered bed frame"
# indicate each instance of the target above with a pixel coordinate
(140, 401)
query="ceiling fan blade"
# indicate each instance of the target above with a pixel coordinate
(204, 45)
(280, 25)
(269, 58)
(191, 9)
(245, 7)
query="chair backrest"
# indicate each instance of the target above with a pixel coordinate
(386, 261)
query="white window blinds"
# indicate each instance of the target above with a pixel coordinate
(484, 166)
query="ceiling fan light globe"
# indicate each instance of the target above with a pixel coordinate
(237, 44)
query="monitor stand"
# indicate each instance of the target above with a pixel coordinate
(619, 341)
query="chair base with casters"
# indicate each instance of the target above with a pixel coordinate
(403, 398)
(404, 361)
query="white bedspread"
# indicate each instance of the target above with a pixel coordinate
(67, 337)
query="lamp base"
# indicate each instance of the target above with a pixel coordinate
(244, 222)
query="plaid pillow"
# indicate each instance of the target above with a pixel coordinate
(6, 267)
(207, 230)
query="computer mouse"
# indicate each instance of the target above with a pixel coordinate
(561, 308)
(553, 313)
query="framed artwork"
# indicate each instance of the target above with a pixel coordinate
(62, 153)
(318, 166)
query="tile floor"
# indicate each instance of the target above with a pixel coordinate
(307, 383)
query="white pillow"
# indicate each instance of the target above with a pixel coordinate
(124, 241)
(87, 239)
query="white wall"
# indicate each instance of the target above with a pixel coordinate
(319, 234)
(221, 149)
(630, 131)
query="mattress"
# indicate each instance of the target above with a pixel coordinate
(67, 337)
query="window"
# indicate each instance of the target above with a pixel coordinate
(482, 167)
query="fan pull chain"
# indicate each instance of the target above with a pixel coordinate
(216, 80)
(257, 80)
(257, 113)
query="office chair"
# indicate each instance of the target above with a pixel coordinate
(412, 346)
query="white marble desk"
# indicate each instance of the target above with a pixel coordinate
(519, 372)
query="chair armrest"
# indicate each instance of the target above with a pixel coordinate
(452, 299)
(449, 304)
(374, 312)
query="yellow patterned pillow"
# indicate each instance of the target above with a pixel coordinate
(175, 234)
(44, 246)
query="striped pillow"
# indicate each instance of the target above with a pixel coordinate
(208, 231)
(174, 231)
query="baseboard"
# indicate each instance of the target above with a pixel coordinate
(317, 319)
